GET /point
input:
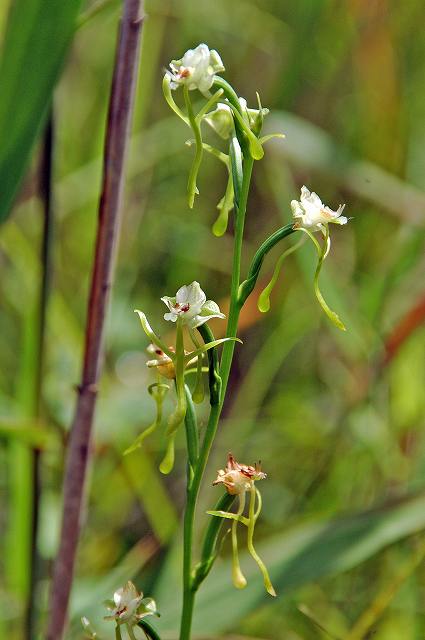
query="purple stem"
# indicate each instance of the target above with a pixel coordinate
(116, 146)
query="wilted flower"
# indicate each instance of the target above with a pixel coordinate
(191, 305)
(196, 69)
(129, 606)
(161, 361)
(238, 478)
(311, 213)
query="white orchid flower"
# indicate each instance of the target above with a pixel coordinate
(190, 304)
(196, 69)
(310, 213)
(129, 606)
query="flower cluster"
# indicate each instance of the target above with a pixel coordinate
(189, 309)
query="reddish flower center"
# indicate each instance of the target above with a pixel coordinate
(182, 307)
(184, 72)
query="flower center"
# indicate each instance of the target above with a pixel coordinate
(183, 308)
(184, 72)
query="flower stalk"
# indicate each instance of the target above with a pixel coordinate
(241, 127)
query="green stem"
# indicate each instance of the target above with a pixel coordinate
(198, 392)
(216, 399)
(239, 580)
(252, 517)
(229, 92)
(178, 415)
(131, 632)
(209, 548)
(192, 437)
(191, 185)
(248, 285)
(213, 365)
(235, 304)
(150, 632)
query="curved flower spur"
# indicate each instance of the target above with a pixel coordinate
(238, 479)
(189, 309)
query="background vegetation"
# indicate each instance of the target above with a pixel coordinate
(338, 419)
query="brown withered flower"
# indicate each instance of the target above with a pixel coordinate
(161, 361)
(238, 478)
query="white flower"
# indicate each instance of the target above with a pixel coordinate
(191, 305)
(129, 606)
(311, 213)
(196, 69)
(126, 601)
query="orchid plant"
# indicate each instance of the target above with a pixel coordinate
(239, 127)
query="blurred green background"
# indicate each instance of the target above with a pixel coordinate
(337, 419)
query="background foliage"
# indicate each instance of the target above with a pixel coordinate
(336, 418)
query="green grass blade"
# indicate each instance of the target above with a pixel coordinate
(303, 554)
(36, 39)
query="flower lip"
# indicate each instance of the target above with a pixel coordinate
(310, 213)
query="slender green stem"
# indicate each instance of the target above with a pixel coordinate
(216, 399)
(198, 392)
(248, 285)
(238, 577)
(118, 635)
(229, 92)
(178, 415)
(191, 185)
(252, 517)
(150, 632)
(131, 632)
(213, 364)
(209, 548)
(192, 437)
(235, 306)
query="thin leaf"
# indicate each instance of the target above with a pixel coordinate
(37, 38)
(303, 554)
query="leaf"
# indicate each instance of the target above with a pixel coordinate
(303, 554)
(37, 37)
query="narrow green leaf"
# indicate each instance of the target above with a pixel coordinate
(303, 554)
(37, 37)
